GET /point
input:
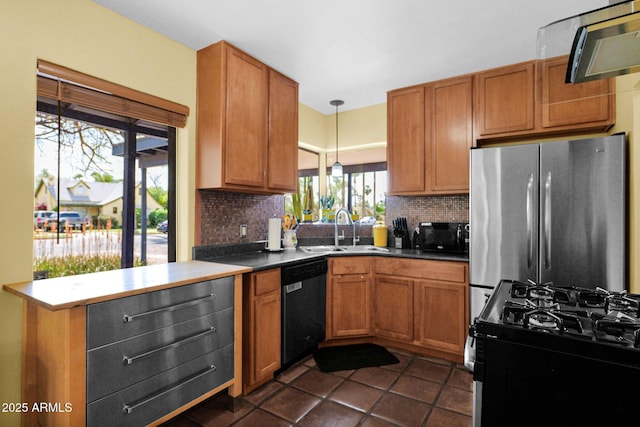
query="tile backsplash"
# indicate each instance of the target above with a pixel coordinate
(453, 208)
(222, 213)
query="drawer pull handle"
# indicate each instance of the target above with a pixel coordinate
(129, 408)
(129, 360)
(131, 317)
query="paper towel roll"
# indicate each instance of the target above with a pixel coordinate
(275, 225)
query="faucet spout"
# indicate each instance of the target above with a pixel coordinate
(349, 221)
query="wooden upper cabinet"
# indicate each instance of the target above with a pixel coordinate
(406, 140)
(247, 94)
(283, 132)
(450, 135)
(430, 131)
(504, 99)
(531, 99)
(247, 123)
(590, 105)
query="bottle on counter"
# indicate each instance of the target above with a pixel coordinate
(380, 234)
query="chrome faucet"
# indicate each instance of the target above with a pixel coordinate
(349, 221)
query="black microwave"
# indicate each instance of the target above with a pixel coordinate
(449, 237)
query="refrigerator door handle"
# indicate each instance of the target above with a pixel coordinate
(530, 235)
(547, 222)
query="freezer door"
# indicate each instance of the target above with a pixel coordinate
(583, 212)
(503, 216)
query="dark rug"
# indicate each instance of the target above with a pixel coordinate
(347, 357)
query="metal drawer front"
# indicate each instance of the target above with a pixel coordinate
(155, 397)
(123, 318)
(121, 364)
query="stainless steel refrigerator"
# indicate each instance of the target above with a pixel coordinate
(548, 212)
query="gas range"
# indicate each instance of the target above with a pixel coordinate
(586, 314)
(554, 345)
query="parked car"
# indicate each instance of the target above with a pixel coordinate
(162, 227)
(40, 217)
(66, 219)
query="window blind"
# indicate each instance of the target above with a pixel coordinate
(69, 86)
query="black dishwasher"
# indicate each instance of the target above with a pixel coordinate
(303, 309)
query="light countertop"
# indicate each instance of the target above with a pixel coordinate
(66, 292)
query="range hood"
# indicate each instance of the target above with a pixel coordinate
(600, 44)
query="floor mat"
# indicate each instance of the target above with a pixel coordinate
(356, 356)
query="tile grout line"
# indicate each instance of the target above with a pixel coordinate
(364, 415)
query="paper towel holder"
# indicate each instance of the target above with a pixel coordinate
(274, 243)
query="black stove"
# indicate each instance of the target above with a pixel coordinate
(589, 314)
(555, 346)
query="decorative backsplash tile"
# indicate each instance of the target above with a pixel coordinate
(222, 213)
(416, 209)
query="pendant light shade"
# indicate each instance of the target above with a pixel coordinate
(336, 169)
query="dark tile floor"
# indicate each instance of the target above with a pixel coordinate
(418, 391)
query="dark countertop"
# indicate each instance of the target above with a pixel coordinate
(264, 260)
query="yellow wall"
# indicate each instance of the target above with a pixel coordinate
(311, 129)
(357, 128)
(360, 129)
(86, 37)
(628, 109)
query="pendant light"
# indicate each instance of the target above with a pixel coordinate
(336, 169)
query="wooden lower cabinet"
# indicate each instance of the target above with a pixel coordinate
(418, 305)
(393, 307)
(440, 315)
(261, 327)
(349, 297)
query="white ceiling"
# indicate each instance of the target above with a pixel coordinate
(357, 50)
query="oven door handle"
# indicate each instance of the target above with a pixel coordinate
(469, 349)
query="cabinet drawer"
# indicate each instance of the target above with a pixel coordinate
(157, 396)
(448, 271)
(267, 281)
(121, 364)
(350, 265)
(123, 318)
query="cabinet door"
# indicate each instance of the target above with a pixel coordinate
(393, 307)
(440, 315)
(406, 141)
(504, 99)
(449, 135)
(283, 133)
(245, 145)
(351, 302)
(562, 104)
(267, 347)
(263, 325)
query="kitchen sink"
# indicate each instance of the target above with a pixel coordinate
(320, 249)
(363, 248)
(331, 248)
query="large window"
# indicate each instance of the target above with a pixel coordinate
(105, 175)
(361, 190)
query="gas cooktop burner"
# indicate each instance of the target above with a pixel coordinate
(598, 314)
